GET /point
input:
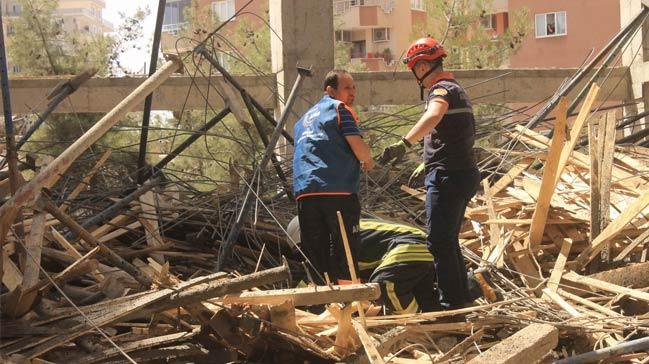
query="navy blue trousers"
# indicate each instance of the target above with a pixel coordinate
(447, 195)
(321, 239)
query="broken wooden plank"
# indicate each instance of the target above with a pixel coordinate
(494, 229)
(12, 276)
(605, 286)
(114, 258)
(283, 317)
(641, 239)
(510, 175)
(370, 349)
(52, 172)
(633, 276)
(554, 165)
(309, 295)
(149, 220)
(557, 271)
(528, 345)
(140, 345)
(161, 300)
(614, 228)
(462, 346)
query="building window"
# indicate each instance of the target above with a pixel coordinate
(381, 34)
(11, 30)
(418, 5)
(175, 12)
(223, 10)
(488, 21)
(15, 68)
(358, 49)
(343, 36)
(551, 24)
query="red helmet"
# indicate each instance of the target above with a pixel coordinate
(423, 49)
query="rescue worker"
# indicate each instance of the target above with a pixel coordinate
(452, 178)
(396, 257)
(329, 154)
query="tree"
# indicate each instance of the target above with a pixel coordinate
(41, 44)
(458, 24)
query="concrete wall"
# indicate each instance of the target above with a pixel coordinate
(374, 88)
(590, 24)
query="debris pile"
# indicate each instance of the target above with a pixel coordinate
(129, 276)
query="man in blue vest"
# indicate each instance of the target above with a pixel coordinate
(452, 178)
(329, 154)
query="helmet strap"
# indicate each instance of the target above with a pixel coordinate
(420, 80)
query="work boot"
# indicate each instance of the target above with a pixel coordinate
(480, 285)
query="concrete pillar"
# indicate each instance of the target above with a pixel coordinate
(634, 57)
(307, 38)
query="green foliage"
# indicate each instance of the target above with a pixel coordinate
(43, 44)
(457, 24)
(243, 44)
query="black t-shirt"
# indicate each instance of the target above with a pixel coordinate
(450, 145)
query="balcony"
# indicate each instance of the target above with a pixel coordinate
(174, 28)
(343, 6)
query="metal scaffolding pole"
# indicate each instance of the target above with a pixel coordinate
(226, 248)
(144, 133)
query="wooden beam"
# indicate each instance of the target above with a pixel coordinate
(554, 297)
(12, 276)
(283, 317)
(640, 239)
(551, 169)
(346, 339)
(614, 228)
(32, 270)
(595, 163)
(633, 276)
(494, 229)
(623, 178)
(602, 149)
(370, 349)
(60, 165)
(605, 286)
(557, 271)
(309, 295)
(149, 220)
(528, 345)
(462, 346)
(511, 174)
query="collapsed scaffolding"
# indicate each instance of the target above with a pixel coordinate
(127, 274)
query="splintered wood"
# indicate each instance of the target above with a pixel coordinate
(126, 273)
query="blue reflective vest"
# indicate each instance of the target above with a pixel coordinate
(323, 161)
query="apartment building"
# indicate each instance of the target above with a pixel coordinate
(83, 16)
(565, 31)
(378, 31)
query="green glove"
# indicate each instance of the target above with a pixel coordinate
(416, 173)
(393, 153)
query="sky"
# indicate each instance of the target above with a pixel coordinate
(134, 60)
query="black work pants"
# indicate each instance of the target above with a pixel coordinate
(447, 195)
(320, 235)
(407, 287)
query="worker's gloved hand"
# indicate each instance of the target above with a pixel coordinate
(416, 173)
(393, 153)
